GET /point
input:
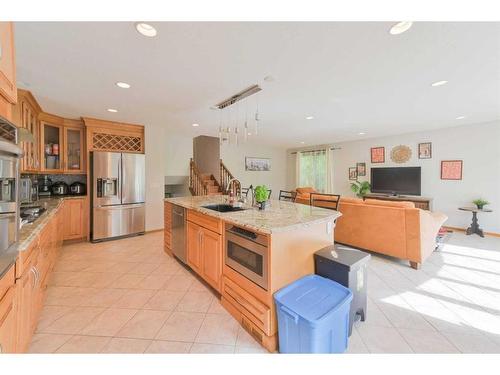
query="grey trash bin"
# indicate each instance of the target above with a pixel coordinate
(348, 267)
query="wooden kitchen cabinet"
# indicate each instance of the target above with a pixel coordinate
(51, 136)
(8, 312)
(25, 115)
(73, 151)
(211, 253)
(75, 218)
(204, 251)
(8, 87)
(193, 244)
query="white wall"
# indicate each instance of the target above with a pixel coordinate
(477, 145)
(155, 160)
(179, 149)
(234, 159)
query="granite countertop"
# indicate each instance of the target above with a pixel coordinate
(29, 231)
(279, 216)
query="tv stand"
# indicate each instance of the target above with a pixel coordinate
(420, 202)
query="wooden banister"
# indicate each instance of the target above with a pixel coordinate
(196, 185)
(225, 177)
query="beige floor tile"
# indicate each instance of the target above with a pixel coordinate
(356, 344)
(144, 325)
(218, 329)
(170, 268)
(50, 314)
(211, 349)
(109, 322)
(468, 343)
(144, 269)
(245, 339)
(217, 308)
(427, 341)
(104, 279)
(71, 266)
(74, 321)
(198, 286)
(123, 345)
(103, 297)
(84, 344)
(68, 296)
(47, 342)
(250, 350)
(127, 281)
(134, 298)
(103, 267)
(181, 326)
(195, 302)
(179, 283)
(379, 339)
(168, 347)
(123, 267)
(164, 300)
(153, 282)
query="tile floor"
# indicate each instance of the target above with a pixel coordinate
(128, 296)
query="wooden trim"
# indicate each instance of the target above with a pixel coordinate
(493, 234)
(154, 230)
(61, 121)
(124, 127)
(28, 96)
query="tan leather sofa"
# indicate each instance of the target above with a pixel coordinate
(304, 194)
(396, 229)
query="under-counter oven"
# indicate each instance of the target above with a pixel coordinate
(247, 253)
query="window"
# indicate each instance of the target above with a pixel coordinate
(312, 169)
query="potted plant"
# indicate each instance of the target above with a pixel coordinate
(480, 203)
(261, 195)
(360, 188)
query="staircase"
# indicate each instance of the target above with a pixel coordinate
(207, 184)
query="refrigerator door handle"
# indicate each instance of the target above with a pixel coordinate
(121, 207)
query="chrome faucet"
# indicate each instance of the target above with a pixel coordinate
(229, 186)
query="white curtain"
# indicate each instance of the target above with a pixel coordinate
(312, 169)
(329, 171)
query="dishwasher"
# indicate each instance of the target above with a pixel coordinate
(179, 232)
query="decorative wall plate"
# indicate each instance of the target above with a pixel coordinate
(400, 154)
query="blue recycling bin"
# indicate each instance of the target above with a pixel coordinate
(313, 316)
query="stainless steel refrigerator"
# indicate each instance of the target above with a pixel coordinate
(118, 195)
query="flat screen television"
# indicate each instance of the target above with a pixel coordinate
(396, 180)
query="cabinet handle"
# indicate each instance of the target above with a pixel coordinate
(32, 270)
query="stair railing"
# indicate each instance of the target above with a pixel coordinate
(196, 185)
(225, 177)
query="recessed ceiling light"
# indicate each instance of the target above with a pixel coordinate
(439, 83)
(123, 85)
(400, 27)
(309, 117)
(196, 125)
(249, 133)
(269, 78)
(361, 133)
(112, 110)
(145, 29)
(460, 117)
(302, 142)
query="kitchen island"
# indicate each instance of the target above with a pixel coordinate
(248, 254)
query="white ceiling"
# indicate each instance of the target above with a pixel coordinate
(352, 77)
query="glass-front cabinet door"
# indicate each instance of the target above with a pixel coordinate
(51, 136)
(73, 150)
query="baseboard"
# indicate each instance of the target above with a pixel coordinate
(154, 230)
(493, 234)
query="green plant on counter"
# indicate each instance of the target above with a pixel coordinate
(261, 193)
(360, 188)
(480, 203)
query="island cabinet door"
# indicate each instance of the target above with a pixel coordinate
(194, 246)
(211, 252)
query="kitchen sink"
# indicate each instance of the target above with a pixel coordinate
(223, 208)
(31, 213)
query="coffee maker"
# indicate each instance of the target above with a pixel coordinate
(44, 186)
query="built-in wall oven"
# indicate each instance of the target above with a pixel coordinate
(10, 154)
(247, 253)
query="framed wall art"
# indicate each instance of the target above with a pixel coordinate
(353, 173)
(257, 164)
(400, 154)
(425, 150)
(377, 155)
(451, 169)
(361, 169)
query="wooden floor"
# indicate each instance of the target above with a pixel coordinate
(128, 296)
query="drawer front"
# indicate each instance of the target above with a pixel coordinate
(254, 310)
(7, 280)
(205, 221)
(8, 322)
